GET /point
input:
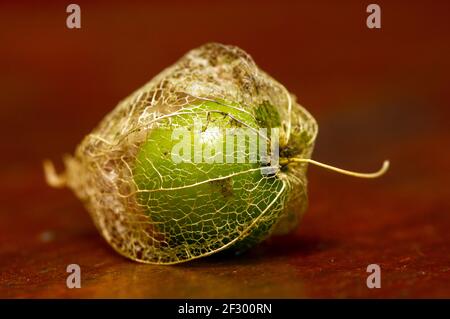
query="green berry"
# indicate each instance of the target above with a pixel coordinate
(206, 205)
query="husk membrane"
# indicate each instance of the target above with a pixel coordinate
(101, 170)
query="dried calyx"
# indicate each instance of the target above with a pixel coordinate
(154, 210)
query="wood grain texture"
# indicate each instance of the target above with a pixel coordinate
(376, 94)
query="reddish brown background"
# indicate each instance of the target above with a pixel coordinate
(376, 94)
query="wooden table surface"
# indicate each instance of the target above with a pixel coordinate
(376, 94)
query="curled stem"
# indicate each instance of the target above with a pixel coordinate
(376, 174)
(52, 178)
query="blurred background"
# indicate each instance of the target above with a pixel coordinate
(376, 93)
